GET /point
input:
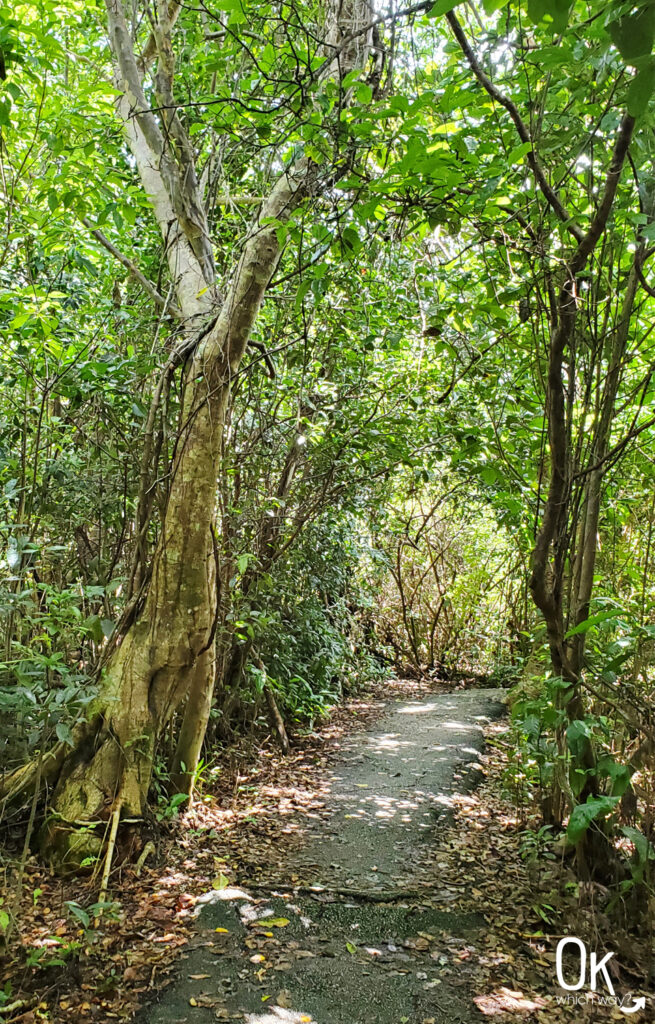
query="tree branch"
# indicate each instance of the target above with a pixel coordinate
(589, 241)
(548, 191)
(134, 271)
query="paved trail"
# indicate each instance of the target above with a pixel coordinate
(369, 947)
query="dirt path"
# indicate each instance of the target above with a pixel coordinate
(352, 930)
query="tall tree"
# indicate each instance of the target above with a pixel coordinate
(166, 648)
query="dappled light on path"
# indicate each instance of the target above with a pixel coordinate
(349, 920)
(278, 1014)
(504, 1000)
(397, 784)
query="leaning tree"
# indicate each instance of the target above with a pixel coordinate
(164, 650)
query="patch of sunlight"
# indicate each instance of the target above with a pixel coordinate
(504, 1000)
(389, 742)
(444, 801)
(416, 709)
(387, 807)
(277, 1014)
(464, 726)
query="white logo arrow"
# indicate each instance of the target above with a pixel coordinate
(639, 1004)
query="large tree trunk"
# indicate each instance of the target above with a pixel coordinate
(199, 703)
(168, 651)
(154, 665)
(194, 724)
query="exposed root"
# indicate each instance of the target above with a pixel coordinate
(24, 781)
(367, 895)
(44, 770)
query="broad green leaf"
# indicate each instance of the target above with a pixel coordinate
(577, 737)
(633, 34)
(64, 733)
(442, 7)
(583, 815)
(594, 620)
(519, 152)
(641, 88)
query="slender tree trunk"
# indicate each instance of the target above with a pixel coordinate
(589, 535)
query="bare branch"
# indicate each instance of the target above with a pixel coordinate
(150, 49)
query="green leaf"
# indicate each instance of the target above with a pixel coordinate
(489, 475)
(620, 774)
(643, 848)
(242, 562)
(78, 912)
(641, 89)
(94, 627)
(583, 627)
(577, 737)
(633, 34)
(559, 11)
(442, 7)
(519, 152)
(556, 10)
(64, 733)
(583, 815)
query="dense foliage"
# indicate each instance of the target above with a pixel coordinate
(433, 448)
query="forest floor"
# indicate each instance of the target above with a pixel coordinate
(363, 878)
